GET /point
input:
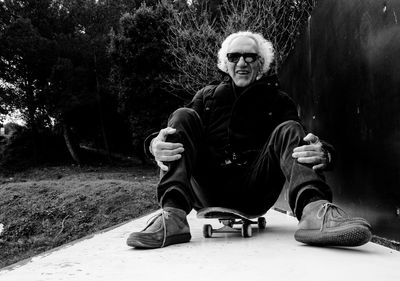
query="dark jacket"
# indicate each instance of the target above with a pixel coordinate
(239, 124)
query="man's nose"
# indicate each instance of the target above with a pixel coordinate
(241, 61)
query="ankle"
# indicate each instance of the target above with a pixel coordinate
(306, 198)
(175, 199)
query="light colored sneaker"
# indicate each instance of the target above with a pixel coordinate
(326, 224)
(166, 228)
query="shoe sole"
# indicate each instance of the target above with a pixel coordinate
(350, 237)
(142, 242)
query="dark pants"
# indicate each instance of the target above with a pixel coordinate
(252, 188)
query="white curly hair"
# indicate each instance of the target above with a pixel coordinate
(265, 50)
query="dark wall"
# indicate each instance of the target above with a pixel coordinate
(345, 75)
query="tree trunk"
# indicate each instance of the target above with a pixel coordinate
(100, 111)
(71, 145)
(31, 120)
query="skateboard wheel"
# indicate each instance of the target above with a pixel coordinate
(207, 230)
(247, 230)
(262, 223)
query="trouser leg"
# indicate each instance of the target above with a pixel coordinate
(275, 165)
(176, 181)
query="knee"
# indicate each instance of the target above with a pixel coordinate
(184, 115)
(289, 125)
(290, 128)
(184, 112)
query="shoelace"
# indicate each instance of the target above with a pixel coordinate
(324, 209)
(164, 215)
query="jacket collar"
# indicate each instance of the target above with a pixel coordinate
(269, 80)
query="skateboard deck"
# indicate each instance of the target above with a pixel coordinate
(229, 218)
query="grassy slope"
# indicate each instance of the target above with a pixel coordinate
(44, 208)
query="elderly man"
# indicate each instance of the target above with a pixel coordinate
(235, 146)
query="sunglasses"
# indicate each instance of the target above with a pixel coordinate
(248, 57)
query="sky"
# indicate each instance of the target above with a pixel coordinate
(15, 116)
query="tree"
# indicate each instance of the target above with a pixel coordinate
(26, 62)
(80, 93)
(6, 100)
(192, 43)
(140, 63)
(54, 65)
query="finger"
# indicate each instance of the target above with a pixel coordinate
(308, 147)
(162, 145)
(310, 160)
(311, 138)
(319, 167)
(307, 154)
(171, 152)
(162, 166)
(166, 131)
(164, 158)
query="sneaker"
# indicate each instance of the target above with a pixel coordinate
(325, 224)
(166, 228)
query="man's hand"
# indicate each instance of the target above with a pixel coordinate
(312, 153)
(165, 151)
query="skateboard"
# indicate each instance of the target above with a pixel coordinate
(229, 218)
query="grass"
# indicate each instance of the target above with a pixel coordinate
(44, 208)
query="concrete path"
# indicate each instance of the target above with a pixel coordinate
(272, 254)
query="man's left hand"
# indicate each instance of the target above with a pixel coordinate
(312, 153)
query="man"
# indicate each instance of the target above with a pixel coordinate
(233, 147)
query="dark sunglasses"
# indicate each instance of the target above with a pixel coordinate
(248, 57)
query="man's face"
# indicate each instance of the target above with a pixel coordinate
(243, 73)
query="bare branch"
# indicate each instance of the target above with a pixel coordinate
(195, 38)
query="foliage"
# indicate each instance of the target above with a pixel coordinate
(54, 65)
(11, 128)
(140, 64)
(17, 153)
(193, 42)
(6, 100)
(25, 63)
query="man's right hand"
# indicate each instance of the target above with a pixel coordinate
(165, 151)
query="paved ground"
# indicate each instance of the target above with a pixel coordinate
(272, 254)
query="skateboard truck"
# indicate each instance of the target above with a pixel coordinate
(229, 218)
(245, 230)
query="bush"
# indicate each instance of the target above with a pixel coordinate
(11, 128)
(19, 152)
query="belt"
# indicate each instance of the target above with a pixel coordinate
(238, 159)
